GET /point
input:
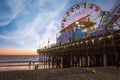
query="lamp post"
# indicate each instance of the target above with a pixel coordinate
(48, 42)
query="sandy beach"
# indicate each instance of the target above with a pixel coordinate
(102, 73)
(14, 68)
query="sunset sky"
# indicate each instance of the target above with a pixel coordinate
(17, 52)
(24, 24)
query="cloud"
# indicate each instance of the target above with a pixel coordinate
(49, 34)
(9, 14)
(4, 37)
(3, 23)
(34, 28)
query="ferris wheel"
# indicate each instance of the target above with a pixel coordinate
(82, 12)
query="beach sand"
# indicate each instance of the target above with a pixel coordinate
(102, 73)
(14, 68)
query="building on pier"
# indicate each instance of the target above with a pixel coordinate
(89, 37)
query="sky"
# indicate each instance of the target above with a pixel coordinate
(28, 24)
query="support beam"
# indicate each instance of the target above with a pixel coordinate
(104, 60)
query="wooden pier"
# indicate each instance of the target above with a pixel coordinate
(100, 50)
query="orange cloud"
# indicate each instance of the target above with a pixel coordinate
(17, 52)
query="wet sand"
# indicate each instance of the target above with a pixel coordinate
(14, 68)
(18, 67)
(102, 73)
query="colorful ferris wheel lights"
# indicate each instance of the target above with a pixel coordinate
(76, 22)
(81, 12)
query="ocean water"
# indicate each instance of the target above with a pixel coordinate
(20, 62)
(13, 60)
(5, 58)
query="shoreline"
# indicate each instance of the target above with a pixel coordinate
(19, 67)
(15, 68)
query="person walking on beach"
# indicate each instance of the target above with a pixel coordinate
(30, 64)
(36, 66)
(33, 64)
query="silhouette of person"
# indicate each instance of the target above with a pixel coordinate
(36, 67)
(30, 64)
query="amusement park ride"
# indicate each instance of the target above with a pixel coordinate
(80, 20)
(88, 37)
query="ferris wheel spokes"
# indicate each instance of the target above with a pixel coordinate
(81, 11)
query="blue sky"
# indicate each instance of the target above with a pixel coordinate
(24, 24)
